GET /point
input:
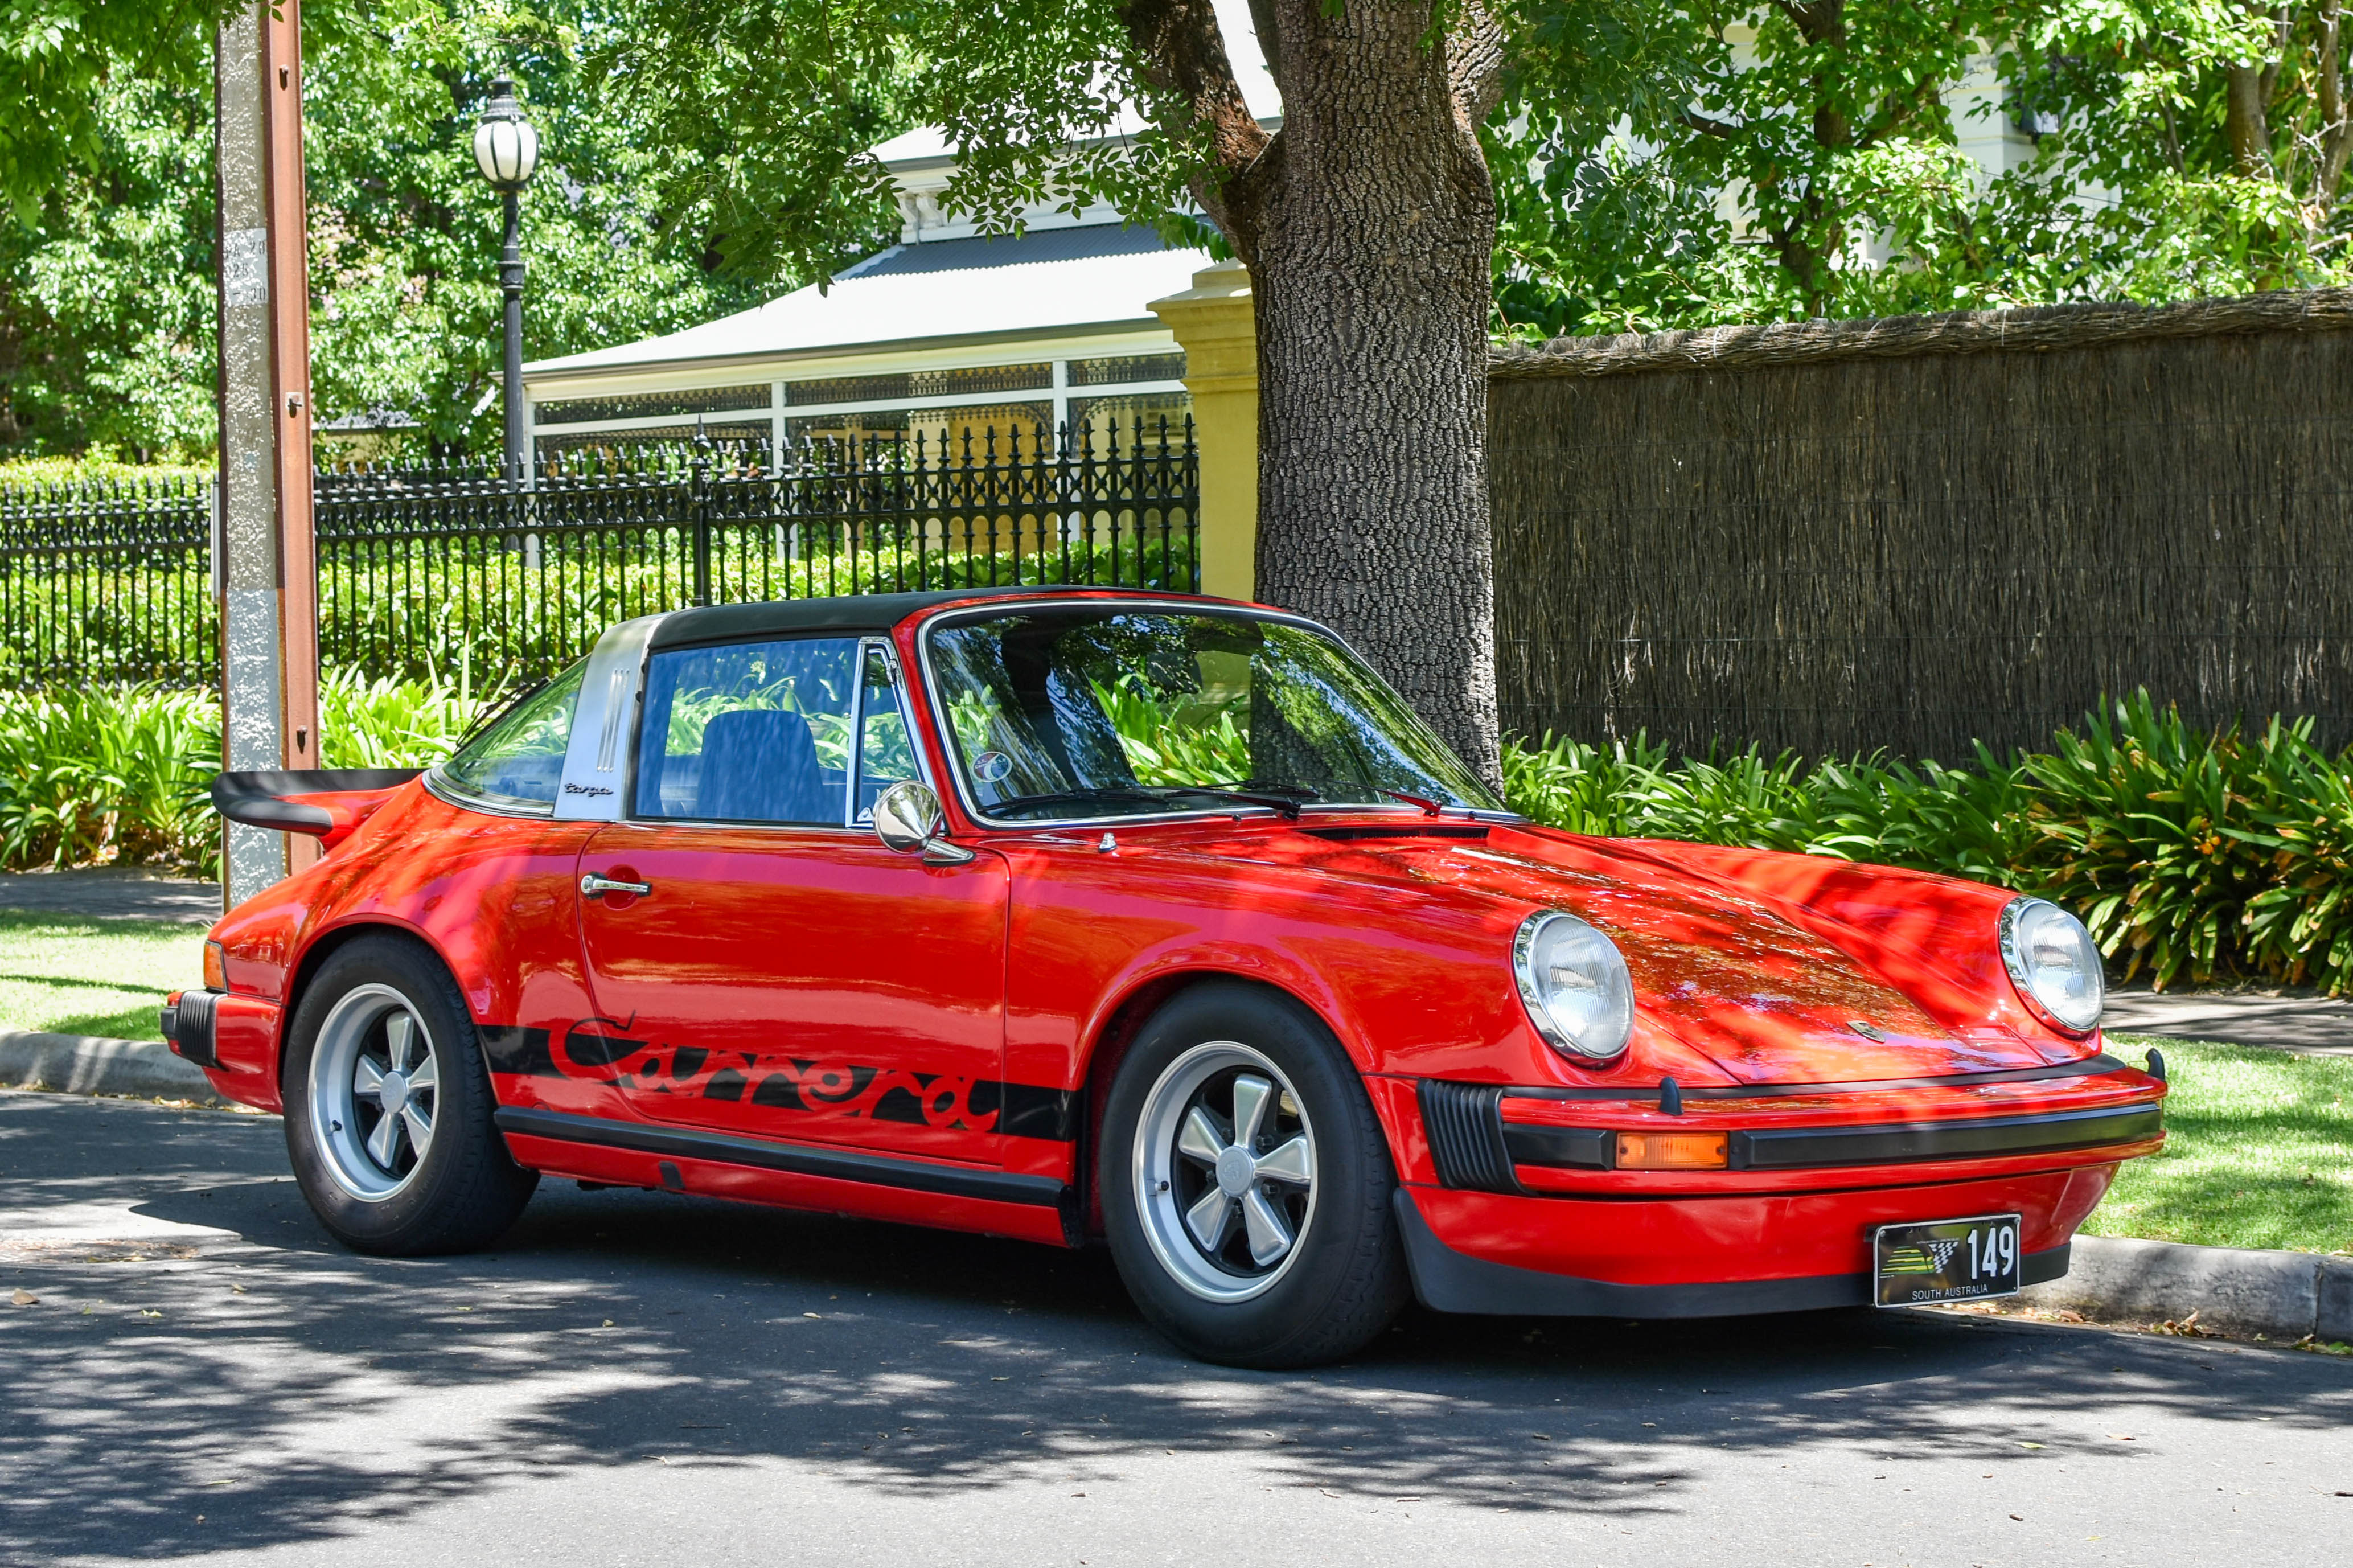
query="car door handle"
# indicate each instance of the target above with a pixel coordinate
(592, 885)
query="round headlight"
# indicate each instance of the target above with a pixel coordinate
(1575, 985)
(2054, 963)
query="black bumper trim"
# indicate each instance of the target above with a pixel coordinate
(189, 1026)
(1977, 1138)
(2090, 1067)
(798, 1159)
(1451, 1281)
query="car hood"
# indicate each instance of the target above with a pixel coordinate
(1767, 999)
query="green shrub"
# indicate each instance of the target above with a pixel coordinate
(2191, 855)
(120, 774)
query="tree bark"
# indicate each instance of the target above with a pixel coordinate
(2244, 120)
(1368, 224)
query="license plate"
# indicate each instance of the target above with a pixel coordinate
(1945, 1260)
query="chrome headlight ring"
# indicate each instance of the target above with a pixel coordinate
(2053, 964)
(1574, 984)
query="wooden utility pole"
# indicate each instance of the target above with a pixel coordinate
(267, 571)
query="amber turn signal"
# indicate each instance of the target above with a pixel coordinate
(216, 967)
(1672, 1152)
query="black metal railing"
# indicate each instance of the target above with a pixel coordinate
(454, 570)
(108, 579)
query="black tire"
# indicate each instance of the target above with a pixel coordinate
(464, 1190)
(1344, 1277)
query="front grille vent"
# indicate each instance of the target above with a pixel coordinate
(1465, 1124)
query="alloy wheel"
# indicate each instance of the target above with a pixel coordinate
(375, 1088)
(1225, 1171)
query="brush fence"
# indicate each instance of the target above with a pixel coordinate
(1918, 533)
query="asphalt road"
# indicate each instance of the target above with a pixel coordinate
(638, 1378)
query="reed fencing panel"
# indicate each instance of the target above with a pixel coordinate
(1913, 534)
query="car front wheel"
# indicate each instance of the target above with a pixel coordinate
(388, 1108)
(1246, 1184)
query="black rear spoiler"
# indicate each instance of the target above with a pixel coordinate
(325, 802)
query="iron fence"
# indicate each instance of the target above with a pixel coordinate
(108, 579)
(456, 570)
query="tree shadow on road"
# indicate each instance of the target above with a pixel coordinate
(291, 1391)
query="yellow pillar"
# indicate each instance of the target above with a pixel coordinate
(1217, 329)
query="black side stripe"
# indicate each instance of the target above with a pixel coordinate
(799, 1159)
(2090, 1067)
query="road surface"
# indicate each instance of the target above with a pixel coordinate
(637, 1378)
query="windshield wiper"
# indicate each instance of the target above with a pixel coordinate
(1282, 799)
(1286, 801)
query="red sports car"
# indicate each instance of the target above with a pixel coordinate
(1155, 920)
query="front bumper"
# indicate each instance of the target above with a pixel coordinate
(1511, 1200)
(1447, 1280)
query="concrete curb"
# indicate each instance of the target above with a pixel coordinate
(2233, 1290)
(83, 1064)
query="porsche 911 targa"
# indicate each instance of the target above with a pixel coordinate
(1079, 916)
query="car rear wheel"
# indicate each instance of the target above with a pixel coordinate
(388, 1108)
(1246, 1184)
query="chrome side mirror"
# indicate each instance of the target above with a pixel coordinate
(908, 818)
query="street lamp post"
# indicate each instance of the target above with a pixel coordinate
(506, 149)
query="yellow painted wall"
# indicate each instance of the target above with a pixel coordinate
(1216, 325)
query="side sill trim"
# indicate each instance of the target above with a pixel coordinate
(799, 1159)
(2090, 1067)
(1451, 1281)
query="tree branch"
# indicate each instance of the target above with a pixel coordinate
(1183, 54)
(1474, 62)
(1693, 119)
(2336, 135)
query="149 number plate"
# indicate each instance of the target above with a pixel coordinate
(1945, 1260)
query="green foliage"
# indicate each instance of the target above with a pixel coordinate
(2191, 856)
(120, 775)
(1681, 165)
(57, 58)
(106, 281)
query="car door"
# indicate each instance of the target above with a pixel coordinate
(783, 974)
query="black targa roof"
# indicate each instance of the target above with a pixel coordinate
(852, 612)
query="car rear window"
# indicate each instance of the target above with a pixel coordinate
(748, 731)
(517, 762)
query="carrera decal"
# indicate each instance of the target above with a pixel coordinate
(507, 1048)
(602, 1050)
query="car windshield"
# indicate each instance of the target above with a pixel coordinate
(1078, 713)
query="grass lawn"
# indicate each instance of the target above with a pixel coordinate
(2258, 1151)
(75, 976)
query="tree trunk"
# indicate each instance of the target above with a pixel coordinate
(1369, 225)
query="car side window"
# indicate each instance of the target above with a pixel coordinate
(886, 752)
(517, 762)
(748, 731)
